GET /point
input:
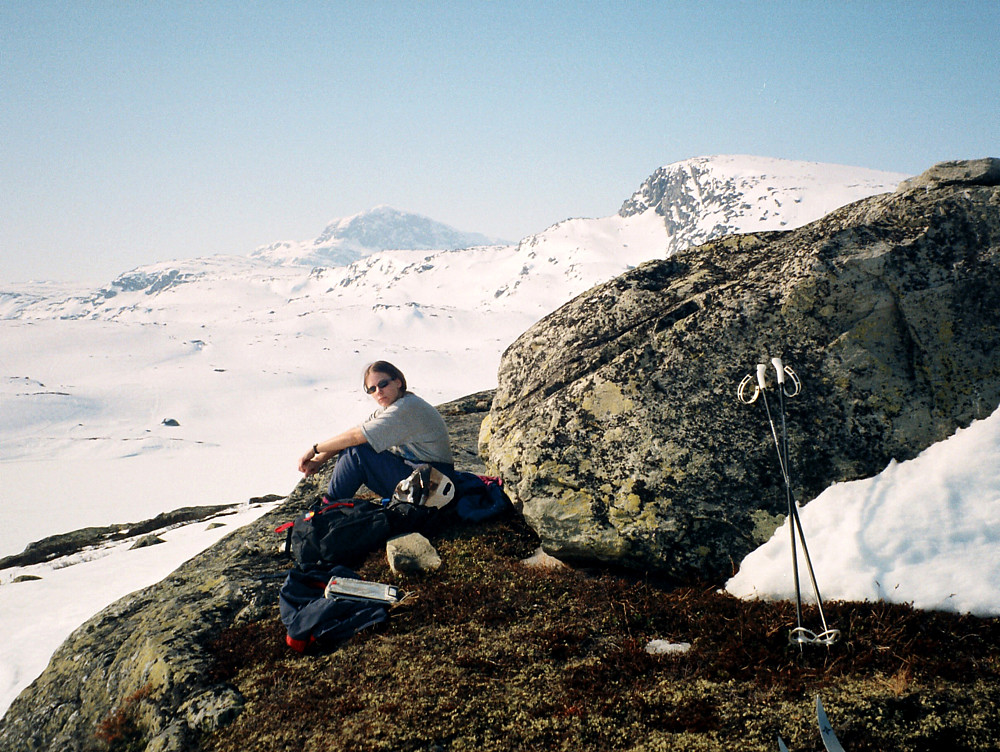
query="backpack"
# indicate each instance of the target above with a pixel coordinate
(312, 619)
(336, 532)
(347, 530)
(480, 497)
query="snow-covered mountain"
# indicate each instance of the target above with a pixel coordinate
(386, 259)
(231, 345)
(237, 348)
(380, 229)
(709, 197)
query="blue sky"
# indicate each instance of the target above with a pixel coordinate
(146, 131)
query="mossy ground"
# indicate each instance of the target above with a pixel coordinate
(489, 654)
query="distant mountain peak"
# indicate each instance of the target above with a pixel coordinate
(381, 228)
(707, 197)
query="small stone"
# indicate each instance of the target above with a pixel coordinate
(147, 540)
(411, 554)
(542, 560)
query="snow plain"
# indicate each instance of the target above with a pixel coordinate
(83, 443)
(257, 360)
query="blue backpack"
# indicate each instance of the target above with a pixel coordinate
(313, 620)
(480, 497)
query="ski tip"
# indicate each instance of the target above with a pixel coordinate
(781, 745)
(830, 740)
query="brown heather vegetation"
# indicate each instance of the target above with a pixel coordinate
(488, 654)
(119, 729)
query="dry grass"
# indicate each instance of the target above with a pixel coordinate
(492, 655)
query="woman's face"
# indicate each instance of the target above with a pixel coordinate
(383, 387)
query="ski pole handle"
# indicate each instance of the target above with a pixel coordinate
(761, 376)
(776, 362)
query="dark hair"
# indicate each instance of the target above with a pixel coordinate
(384, 366)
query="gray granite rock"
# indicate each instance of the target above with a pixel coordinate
(411, 554)
(960, 172)
(616, 424)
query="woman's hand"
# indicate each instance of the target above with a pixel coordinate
(310, 462)
(314, 459)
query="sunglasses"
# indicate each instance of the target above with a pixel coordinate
(380, 385)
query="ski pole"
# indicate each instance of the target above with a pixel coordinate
(782, 450)
(827, 636)
(799, 634)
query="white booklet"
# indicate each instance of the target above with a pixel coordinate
(346, 587)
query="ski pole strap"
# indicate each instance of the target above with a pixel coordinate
(743, 390)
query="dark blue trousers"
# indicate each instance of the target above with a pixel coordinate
(379, 471)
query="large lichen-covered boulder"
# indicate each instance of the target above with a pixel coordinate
(616, 423)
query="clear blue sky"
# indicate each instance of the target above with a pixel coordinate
(134, 132)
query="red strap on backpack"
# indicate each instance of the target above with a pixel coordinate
(313, 512)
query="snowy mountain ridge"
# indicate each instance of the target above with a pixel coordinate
(680, 205)
(708, 197)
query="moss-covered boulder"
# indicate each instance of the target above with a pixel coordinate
(616, 423)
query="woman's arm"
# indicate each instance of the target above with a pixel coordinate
(321, 451)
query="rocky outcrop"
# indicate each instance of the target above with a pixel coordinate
(65, 544)
(144, 659)
(616, 423)
(959, 172)
(141, 669)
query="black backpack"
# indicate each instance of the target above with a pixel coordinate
(336, 532)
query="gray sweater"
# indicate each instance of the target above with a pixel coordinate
(410, 427)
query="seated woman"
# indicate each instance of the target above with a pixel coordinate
(403, 432)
